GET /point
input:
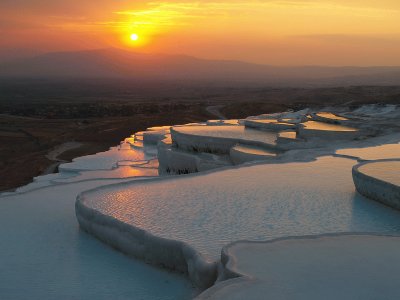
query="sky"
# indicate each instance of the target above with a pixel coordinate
(293, 32)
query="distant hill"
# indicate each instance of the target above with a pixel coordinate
(14, 54)
(115, 63)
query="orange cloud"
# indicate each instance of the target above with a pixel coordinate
(259, 31)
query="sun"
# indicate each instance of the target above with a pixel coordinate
(134, 37)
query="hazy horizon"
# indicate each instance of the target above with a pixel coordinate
(16, 54)
(279, 33)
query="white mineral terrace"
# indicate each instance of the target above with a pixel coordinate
(182, 223)
(240, 154)
(288, 134)
(330, 116)
(223, 122)
(388, 171)
(257, 203)
(373, 153)
(228, 132)
(327, 131)
(253, 150)
(106, 160)
(322, 126)
(268, 124)
(322, 267)
(379, 180)
(44, 255)
(219, 139)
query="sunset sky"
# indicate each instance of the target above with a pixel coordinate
(296, 32)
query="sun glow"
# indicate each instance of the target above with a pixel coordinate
(134, 37)
(139, 28)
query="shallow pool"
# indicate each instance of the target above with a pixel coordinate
(257, 203)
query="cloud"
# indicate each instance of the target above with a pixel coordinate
(206, 27)
(353, 39)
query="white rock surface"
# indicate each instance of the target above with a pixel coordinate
(329, 117)
(183, 222)
(219, 139)
(325, 267)
(269, 124)
(176, 161)
(207, 211)
(44, 255)
(153, 137)
(240, 154)
(106, 160)
(314, 129)
(379, 180)
(386, 151)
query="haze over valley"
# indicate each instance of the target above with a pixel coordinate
(117, 63)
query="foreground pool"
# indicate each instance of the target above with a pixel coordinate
(205, 212)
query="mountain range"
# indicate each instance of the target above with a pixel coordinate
(116, 63)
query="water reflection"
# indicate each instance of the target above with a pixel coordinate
(372, 153)
(256, 202)
(117, 173)
(272, 121)
(228, 132)
(288, 134)
(254, 150)
(328, 115)
(314, 125)
(371, 216)
(388, 171)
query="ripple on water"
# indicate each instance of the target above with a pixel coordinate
(257, 203)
